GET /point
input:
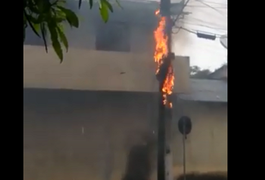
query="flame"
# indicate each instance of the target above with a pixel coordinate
(157, 12)
(161, 50)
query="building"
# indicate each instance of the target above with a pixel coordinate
(88, 134)
(220, 73)
(82, 117)
(206, 105)
(130, 29)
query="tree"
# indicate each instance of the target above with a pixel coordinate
(198, 73)
(48, 17)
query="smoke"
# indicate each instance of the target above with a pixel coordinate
(140, 159)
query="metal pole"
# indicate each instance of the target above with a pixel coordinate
(184, 151)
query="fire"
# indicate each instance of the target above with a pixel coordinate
(161, 39)
(161, 50)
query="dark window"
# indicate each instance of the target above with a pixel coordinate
(113, 37)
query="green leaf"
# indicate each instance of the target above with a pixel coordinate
(44, 6)
(60, 2)
(118, 3)
(79, 3)
(24, 19)
(36, 27)
(70, 16)
(55, 43)
(91, 3)
(104, 11)
(62, 37)
(108, 5)
(30, 24)
(43, 33)
(57, 48)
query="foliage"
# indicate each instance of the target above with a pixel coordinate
(46, 18)
(198, 73)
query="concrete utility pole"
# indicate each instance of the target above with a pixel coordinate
(164, 160)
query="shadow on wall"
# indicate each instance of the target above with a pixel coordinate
(140, 159)
(88, 135)
(204, 176)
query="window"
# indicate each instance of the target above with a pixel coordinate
(113, 37)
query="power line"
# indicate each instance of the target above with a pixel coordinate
(211, 2)
(200, 20)
(198, 6)
(202, 35)
(185, 29)
(205, 25)
(205, 5)
(175, 20)
(195, 20)
(176, 31)
(196, 32)
(215, 9)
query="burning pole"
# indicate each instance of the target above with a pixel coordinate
(165, 76)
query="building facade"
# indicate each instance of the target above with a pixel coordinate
(83, 117)
(88, 134)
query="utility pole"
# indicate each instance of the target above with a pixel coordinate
(164, 160)
(164, 163)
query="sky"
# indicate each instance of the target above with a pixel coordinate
(208, 16)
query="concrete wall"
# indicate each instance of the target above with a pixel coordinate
(87, 135)
(98, 70)
(206, 146)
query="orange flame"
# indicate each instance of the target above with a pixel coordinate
(161, 50)
(157, 12)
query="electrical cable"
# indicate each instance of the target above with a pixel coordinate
(188, 30)
(208, 6)
(175, 20)
(197, 6)
(211, 2)
(211, 7)
(195, 32)
(205, 25)
(176, 31)
(200, 20)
